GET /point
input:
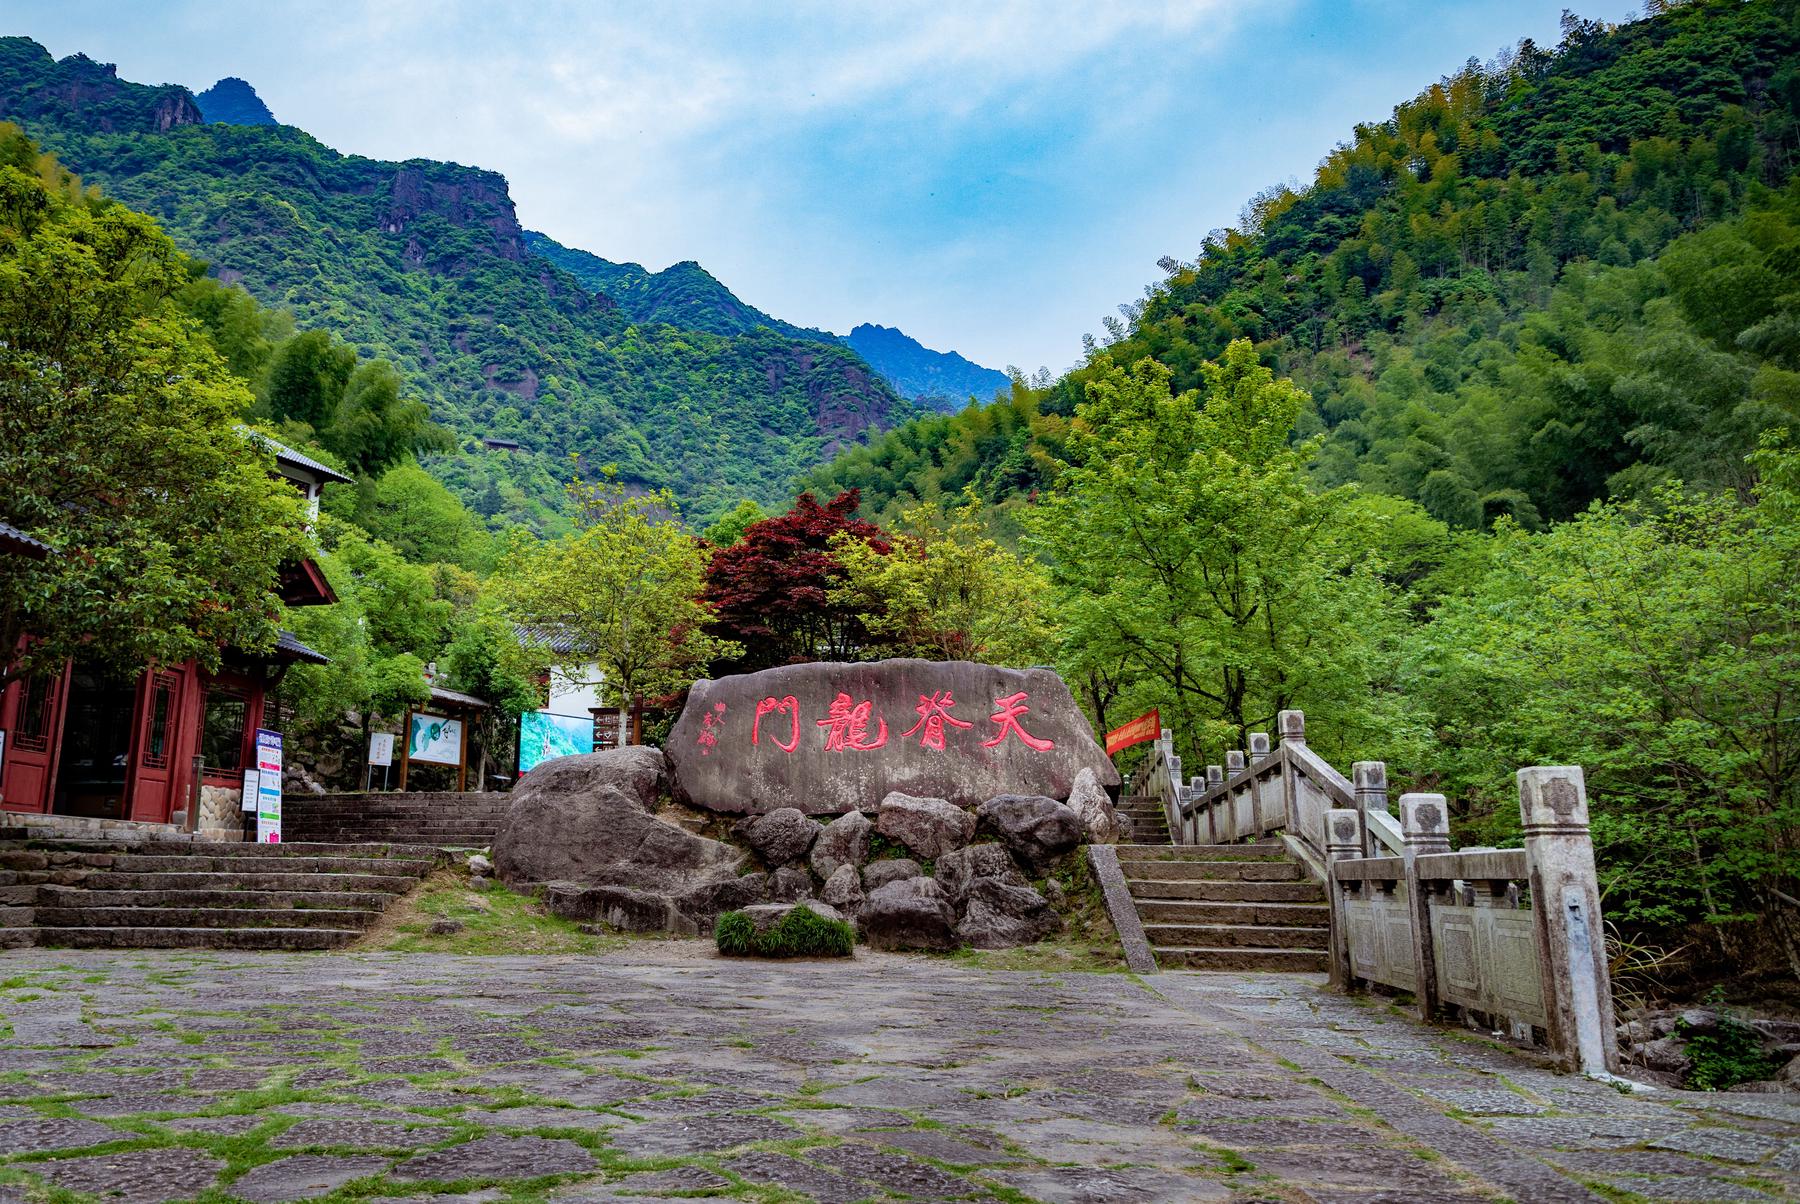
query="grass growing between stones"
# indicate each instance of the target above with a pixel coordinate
(494, 921)
(802, 932)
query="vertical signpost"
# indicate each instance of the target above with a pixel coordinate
(268, 786)
(381, 752)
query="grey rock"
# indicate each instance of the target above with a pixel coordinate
(480, 866)
(790, 883)
(912, 913)
(586, 819)
(782, 836)
(445, 927)
(1037, 829)
(766, 915)
(616, 907)
(741, 746)
(957, 872)
(1001, 916)
(929, 827)
(1055, 895)
(844, 841)
(843, 890)
(704, 903)
(878, 874)
(1668, 1054)
(1094, 808)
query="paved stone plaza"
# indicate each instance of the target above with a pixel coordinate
(662, 1072)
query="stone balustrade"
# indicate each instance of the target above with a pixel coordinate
(1508, 938)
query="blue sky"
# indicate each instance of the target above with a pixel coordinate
(991, 177)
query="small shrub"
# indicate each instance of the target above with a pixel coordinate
(803, 932)
(1726, 1055)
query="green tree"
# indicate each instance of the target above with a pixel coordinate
(946, 591)
(411, 510)
(1191, 557)
(729, 527)
(623, 588)
(119, 447)
(1657, 644)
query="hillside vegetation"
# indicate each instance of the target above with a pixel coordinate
(424, 264)
(1565, 274)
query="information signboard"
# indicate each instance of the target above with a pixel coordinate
(381, 748)
(543, 736)
(434, 739)
(268, 786)
(247, 796)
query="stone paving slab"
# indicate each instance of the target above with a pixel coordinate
(661, 1072)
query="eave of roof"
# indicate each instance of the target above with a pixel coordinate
(287, 455)
(439, 694)
(20, 544)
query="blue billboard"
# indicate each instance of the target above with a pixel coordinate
(543, 736)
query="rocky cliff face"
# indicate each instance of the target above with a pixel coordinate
(465, 197)
(36, 86)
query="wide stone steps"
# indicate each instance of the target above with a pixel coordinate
(1227, 907)
(201, 917)
(207, 895)
(285, 939)
(1149, 824)
(447, 820)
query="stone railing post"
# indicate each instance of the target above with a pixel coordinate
(1218, 826)
(1425, 826)
(1259, 752)
(1292, 727)
(1342, 840)
(1370, 781)
(1234, 768)
(1565, 903)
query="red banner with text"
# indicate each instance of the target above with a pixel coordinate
(1143, 728)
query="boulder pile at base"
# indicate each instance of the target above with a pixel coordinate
(916, 872)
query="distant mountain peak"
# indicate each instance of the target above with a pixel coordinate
(944, 380)
(233, 101)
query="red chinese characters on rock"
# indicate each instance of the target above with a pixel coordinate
(709, 729)
(1007, 716)
(849, 724)
(934, 713)
(789, 706)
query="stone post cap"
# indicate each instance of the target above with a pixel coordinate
(1197, 782)
(1424, 816)
(1369, 775)
(1553, 797)
(1259, 744)
(1292, 726)
(1343, 833)
(1215, 774)
(1234, 761)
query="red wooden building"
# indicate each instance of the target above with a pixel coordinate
(82, 743)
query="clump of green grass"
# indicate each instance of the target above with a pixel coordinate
(1725, 1055)
(802, 932)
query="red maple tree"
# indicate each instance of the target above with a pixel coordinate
(771, 590)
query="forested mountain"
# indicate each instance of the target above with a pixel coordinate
(686, 294)
(234, 102)
(424, 264)
(1561, 275)
(942, 380)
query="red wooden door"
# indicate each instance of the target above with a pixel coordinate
(155, 760)
(31, 712)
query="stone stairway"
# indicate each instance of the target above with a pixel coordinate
(1149, 824)
(1227, 907)
(466, 820)
(89, 894)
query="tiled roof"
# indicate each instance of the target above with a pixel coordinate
(557, 641)
(439, 694)
(287, 455)
(20, 544)
(287, 647)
